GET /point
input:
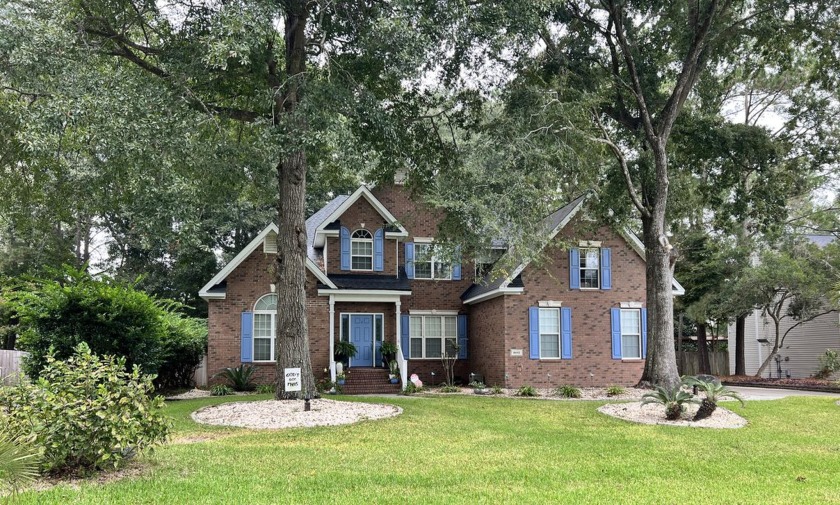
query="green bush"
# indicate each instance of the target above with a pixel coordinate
(221, 390)
(87, 412)
(113, 319)
(240, 378)
(527, 391)
(496, 390)
(183, 344)
(673, 400)
(410, 389)
(265, 389)
(829, 363)
(446, 388)
(615, 391)
(568, 392)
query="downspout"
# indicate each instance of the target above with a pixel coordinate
(332, 338)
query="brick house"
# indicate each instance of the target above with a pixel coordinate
(578, 317)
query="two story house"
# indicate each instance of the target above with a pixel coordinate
(578, 317)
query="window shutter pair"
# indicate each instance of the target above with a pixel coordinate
(409, 262)
(565, 332)
(606, 268)
(378, 249)
(615, 325)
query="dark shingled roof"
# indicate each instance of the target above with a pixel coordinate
(373, 282)
(315, 221)
(480, 289)
(550, 223)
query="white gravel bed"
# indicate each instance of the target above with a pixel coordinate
(655, 414)
(273, 414)
(189, 395)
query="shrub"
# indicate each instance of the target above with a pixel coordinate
(496, 390)
(265, 389)
(615, 391)
(239, 378)
(411, 388)
(324, 385)
(714, 392)
(527, 391)
(477, 385)
(829, 363)
(673, 400)
(221, 390)
(568, 392)
(87, 412)
(18, 461)
(447, 388)
(183, 344)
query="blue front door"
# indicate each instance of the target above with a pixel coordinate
(361, 334)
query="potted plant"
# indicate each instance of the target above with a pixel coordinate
(478, 387)
(345, 350)
(389, 353)
(394, 374)
(341, 378)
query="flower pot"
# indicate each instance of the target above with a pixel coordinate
(394, 380)
(341, 382)
(480, 391)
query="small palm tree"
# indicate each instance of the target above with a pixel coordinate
(673, 400)
(240, 378)
(714, 393)
(18, 462)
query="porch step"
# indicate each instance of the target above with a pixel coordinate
(369, 381)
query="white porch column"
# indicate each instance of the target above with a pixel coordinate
(400, 357)
(332, 338)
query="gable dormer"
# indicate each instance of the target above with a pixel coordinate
(359, 235)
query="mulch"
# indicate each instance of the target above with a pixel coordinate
(809, 384)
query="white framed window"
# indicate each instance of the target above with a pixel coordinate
(631, 333)
(427, 265)
(550, 333)
(361, 250)
(265, 328)
(590, 268)
(431, 336)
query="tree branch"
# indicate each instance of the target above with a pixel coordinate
(631, 189)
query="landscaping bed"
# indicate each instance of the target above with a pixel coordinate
(809, 384)
(629, 393)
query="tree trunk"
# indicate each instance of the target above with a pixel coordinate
(290, 264)
(661, 362)
(773, 352)
(740, 360)
(703, 349)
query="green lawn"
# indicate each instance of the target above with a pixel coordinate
(491, 450)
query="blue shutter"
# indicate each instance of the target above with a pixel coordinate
(409, 259)
(566, 333)
(379, 250)
(606, 268)
(615, 324)
(644, 333)
(462, 336)
(405, 327)
(456, 265)
(574, 268)
(247, 337)
(534, 331)
(345, 248)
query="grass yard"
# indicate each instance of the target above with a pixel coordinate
(490, 450)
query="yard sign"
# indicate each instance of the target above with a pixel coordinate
(292, 379)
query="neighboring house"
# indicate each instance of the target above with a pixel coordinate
(579, 317)
(799, 357)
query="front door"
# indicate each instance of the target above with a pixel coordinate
(361, 334)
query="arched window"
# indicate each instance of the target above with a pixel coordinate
(265, 324)
(361, 250)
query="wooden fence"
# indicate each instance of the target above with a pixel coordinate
(10, 366)
(688, 362)
(200, 374)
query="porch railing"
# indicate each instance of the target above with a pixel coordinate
(403, 364)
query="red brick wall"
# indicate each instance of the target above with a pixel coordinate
(487, 340)
(245, 285)
(591, 363)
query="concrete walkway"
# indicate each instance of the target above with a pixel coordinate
(774, 394)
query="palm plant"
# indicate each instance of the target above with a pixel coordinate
(18, 462)
(714, 392)
(240, 378)
(673, 400)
